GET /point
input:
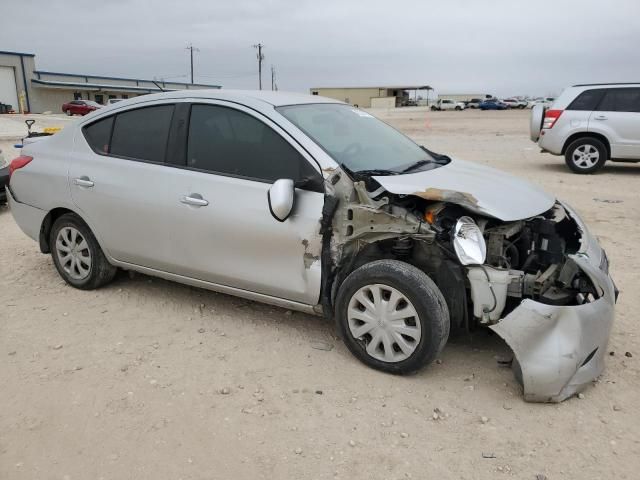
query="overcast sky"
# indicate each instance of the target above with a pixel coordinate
(505, 47)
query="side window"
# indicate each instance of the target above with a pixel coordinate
(227, 141)
(587, 100)
(142, 133)
(621, 100)
(98, 134)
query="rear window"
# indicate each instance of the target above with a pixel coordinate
(621, 100)
(98, 134)
(587, 100)
(142, 133)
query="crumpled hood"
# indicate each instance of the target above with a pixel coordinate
(480, 189)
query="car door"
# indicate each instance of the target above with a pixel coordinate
(226, 233)
(119, 182)
(618, 118)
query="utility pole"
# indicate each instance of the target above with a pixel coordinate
(191, 49)
(260, 56)
(273, 78)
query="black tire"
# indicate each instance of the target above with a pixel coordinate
(100, 271)
(580, 145)
(458, 108)
(425, 297)
(68, 112)
(433, 109)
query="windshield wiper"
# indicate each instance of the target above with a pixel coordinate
(418, 164)
(371, 172)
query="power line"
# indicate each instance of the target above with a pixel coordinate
(260, 56)
(191, 49)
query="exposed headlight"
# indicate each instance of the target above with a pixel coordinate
(468, 242)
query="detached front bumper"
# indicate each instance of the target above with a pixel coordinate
(559, 350)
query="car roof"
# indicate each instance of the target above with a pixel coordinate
(604, 84)
(277, 99)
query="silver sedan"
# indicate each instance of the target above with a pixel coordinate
(314, 205)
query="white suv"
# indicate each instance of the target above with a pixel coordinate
(589, 124)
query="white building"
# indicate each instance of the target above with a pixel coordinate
(27, 89)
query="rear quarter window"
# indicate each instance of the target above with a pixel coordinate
(587, 100)
(98, 134)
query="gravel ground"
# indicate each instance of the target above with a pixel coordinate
(147, 379)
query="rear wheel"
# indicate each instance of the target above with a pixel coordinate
(458, 108)
(77, 255)
(586, 155)
(392, 316)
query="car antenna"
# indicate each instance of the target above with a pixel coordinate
(158, 85)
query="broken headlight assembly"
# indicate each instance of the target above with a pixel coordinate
(468, 242)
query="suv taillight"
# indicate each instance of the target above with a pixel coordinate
(18, 163)
(550, 118)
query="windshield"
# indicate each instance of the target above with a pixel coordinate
(356, 139)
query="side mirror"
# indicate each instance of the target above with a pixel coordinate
(281, 196)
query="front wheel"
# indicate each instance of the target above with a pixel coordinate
(68, 112)
(458, 108)
(585, 155)
(77, 254)
(392, 316)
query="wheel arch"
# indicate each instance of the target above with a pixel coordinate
(579, 135)
(47, 224)
(444, 273)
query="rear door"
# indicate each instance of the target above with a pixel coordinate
(226, 233)
(119, 181)
(618, 118)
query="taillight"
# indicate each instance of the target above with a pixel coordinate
(18, 163)
(550, 118)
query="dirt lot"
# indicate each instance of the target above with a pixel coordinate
(147, 379)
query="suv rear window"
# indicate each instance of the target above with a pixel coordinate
(587, 100)
(621, 100)
(142, 133)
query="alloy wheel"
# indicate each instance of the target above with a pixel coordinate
(585, 156)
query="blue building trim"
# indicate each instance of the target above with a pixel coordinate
(42, 72)
(17, 54)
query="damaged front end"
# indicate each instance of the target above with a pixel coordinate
(544, 285)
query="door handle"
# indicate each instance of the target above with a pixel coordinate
(600, 117)
(194, 199)
(83, 182)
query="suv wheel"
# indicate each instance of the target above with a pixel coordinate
(586, 155)
(68, 112)
(77, 255)
(392, 316)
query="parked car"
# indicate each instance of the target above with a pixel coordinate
(511, 103)
(112, 101)
(311, 204)
(493, 104)
(4, 177)
(590, 124)
(446, 104)
(473, 103)
(544, 101)
(80, 107)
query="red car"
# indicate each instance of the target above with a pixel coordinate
(80, 107)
